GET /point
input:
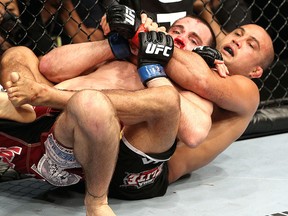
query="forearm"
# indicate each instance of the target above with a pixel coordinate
(195, 121)
(144, 105)
(186, 160)
(72, 60)
(189, 71)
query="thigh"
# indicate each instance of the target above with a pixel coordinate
(153, 137)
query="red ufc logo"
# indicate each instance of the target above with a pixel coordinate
(8, 154)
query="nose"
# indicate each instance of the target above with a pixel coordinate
(238, 42)
(180, 42)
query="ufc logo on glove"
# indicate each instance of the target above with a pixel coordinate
(130, 16)
(157, 48)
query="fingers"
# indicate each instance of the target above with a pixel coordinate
(149, 25)
(152, 27)
(105, 26)
(221, 68)
(143, 18)
(162, 29)
(148, 22)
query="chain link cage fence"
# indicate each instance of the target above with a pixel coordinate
(40, 25)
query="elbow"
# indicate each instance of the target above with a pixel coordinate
(49, 69)
(194, 140)
(194, 137)
(46, 67)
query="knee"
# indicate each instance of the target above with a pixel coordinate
(50, 68)
(17, 54)
(15, 57)
(90, 107)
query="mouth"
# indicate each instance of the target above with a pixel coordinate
(229, 50)
(179, 43)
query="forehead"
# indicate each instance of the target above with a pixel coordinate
(192, 25)
(189, 23)
(256, 32)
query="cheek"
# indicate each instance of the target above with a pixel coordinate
(244, 60)
(172, 35)
(190, 46)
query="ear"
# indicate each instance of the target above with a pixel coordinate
(256, 73)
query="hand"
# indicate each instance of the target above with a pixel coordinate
(156, 49)
(123, 20)
(108, 3)
(221, 68)
(208, 54)
(147, 24)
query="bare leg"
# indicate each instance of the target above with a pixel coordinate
(22, 90)
(24, 113)
(89, 125)
(22, 60)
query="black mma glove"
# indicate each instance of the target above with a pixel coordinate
(108, 3)
(155, 50)
(123, 20)
(208, 54)
(119, 45)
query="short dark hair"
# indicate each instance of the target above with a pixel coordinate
(212, 42)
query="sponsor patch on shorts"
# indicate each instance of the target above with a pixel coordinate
(64, 157)
(53, 164)
(54, 174)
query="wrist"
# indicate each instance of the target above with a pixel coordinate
(151, 71)
(119, 46)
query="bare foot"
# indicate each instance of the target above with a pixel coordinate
(24, 113)
(22, 90)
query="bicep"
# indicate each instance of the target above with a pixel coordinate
(234, 93)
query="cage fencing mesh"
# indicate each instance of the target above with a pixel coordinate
(39, 26)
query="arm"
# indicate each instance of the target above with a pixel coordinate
(71, 60)
(222, 134)
(195, 120)
(234, 93)
(144, 105)
(74, 59)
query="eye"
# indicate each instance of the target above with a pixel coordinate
(237, 34)
(176, 32)
(193, 41)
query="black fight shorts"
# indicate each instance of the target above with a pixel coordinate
(138, 175)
